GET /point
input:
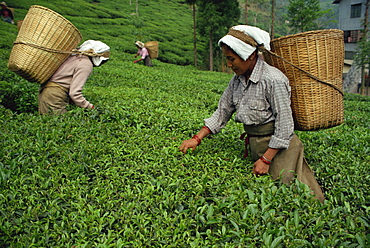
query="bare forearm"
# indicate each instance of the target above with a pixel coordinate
(270, 153)
(203, 133)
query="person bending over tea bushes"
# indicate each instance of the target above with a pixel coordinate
(143, 52)
(259, 94)
(66, 84)
(6, 13)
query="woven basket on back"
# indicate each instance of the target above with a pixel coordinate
(313, 63)
(44, 42)
(152, 47)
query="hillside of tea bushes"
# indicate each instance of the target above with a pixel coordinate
(113, 176)
(120, 24)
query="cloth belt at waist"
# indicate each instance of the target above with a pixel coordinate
(52, 84)
(264, 130)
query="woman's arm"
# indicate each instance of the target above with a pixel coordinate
(262, 165)
(195, 140)
(80, 76)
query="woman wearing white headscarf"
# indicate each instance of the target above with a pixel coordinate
(143, 52)
(66, 84)
(259, 94)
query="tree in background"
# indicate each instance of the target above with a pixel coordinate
(272, 30)
(246, 6)
(269, 15)
(303, 14)
(256, 12)
(193, 4)
(215, 17)
(330, 19)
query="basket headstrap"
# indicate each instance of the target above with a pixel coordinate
(90, 52)
(250, 41)
(245, 38)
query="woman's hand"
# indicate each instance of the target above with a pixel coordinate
(186, 144)
(260, 168)
(195, 141)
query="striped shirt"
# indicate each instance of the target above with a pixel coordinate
(265, 97)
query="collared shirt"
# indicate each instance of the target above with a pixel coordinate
(265, 97)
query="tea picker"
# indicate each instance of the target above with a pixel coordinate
(259, 95)
(6, 13)
(147, 51)
(53, 60)
(66, 84)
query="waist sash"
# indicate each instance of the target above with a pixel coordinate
(256, 131)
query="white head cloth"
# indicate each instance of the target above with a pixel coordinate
(98, 47)
(140, 44)
(244, 50)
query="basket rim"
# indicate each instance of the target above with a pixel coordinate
(312, 32)
(151, 42)
(59, 15)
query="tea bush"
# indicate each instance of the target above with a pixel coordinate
(118, 24)
(114, 177)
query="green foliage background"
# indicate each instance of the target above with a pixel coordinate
(117, 24)
(113, 176)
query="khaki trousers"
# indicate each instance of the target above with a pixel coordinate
(52, 98)
(287, 163)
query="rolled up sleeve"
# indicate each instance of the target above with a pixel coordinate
(284, 124)
(224, 111)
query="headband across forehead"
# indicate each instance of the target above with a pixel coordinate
(245, 38)
(91, 53)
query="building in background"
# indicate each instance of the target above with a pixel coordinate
(351, 21)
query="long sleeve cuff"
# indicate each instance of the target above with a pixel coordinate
(277, 143)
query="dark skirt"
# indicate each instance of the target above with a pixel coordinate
(148, 61)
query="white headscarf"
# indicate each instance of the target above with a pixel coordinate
(98, 47)
(140, 44)
(244, 50)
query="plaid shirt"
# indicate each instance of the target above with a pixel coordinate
(265, 97)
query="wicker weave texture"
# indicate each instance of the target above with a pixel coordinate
(152, 47)
(320, 53)
(44, 42)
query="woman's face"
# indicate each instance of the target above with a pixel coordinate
(236, 63)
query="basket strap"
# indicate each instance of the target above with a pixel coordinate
(250, 41)
(74, 51)
(309, 74)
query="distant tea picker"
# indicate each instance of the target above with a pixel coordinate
(147, 51)
(6, 13)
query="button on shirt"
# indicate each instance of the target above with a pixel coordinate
(265, 97)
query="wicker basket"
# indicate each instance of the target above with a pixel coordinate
(152, 47)
(313, 63)
(44, 42)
